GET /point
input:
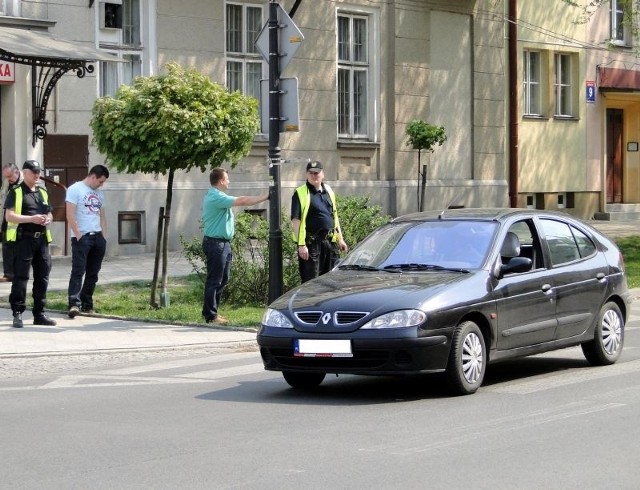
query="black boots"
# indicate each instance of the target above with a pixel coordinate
(42, 319)
(38, 319)
(17, 320)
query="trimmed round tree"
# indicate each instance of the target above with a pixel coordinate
(176, 120)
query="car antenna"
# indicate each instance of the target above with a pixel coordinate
(448, 204)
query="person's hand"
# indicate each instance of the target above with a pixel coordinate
(343, 246)
(40, 219)
(303, 252)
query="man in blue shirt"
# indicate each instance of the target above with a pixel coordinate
(219, 227)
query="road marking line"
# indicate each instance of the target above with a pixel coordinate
(225, 372)
(463, 435)
(110, 380)
(568, 377)
(181, 363)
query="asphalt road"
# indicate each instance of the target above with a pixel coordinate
(198, 419)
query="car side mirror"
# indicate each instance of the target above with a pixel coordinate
(516, 264)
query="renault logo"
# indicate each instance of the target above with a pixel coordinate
(326, 317)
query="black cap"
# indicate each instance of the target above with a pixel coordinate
(314, 166)
(32, 165)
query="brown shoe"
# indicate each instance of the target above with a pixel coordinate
(5, 279)
(220, 320)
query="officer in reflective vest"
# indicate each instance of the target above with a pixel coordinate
(316, 227)
(28, 213)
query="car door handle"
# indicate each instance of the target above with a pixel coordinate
(546, 288)
(601, 276)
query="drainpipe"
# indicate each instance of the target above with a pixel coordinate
(513, 102)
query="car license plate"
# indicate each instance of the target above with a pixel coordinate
(322, 348)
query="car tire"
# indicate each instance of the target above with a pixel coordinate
(608, 339)
(300, 380)
(467, 359)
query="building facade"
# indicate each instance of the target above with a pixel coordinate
(365, 69)
(578, 108)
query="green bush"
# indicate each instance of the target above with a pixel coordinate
(630, 249)
(249, 283)
(358, 217)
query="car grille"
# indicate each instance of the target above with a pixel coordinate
(339, 317)
(361, 360)
(346, 317)
(309, 317)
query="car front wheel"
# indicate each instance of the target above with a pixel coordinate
(467, 359)
(606, 346)
(303, 380)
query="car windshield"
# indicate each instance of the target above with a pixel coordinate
(424, 246)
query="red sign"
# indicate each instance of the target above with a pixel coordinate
(7, 72)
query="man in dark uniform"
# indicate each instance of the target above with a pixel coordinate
(12, 178)
(316, 228)
(28, 213)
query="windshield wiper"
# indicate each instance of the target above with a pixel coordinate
(358, 267)
(422, 267)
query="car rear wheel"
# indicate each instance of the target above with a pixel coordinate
(303, 380)
(606, 346)
(467, 359)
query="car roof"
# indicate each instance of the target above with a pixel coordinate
(481, 214)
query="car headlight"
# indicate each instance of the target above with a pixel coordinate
(273, 318)
(397, 319)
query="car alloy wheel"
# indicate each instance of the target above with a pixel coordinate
(467, 359)
(608, 338)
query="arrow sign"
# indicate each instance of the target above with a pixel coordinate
(289, 40)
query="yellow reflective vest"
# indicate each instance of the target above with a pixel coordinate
(12, 228)
(305, 202)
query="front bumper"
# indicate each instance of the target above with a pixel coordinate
(375, 356)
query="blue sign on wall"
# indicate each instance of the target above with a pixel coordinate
(591, 91)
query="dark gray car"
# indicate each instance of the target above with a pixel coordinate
(450, 292)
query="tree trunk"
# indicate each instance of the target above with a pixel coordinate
(418, 190)
(153, 302)
(167, 220)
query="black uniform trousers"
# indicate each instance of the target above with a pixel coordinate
(30, 251)
(323, 255)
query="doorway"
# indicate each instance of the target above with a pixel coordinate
(66, 160)
(614, 175)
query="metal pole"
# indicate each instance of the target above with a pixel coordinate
(275, 232)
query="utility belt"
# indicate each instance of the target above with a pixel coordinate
(331, 235)
(30, 234)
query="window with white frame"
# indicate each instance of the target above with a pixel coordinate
(619, 30)
(245, 66)
(10, 7)
(532, 88)
(562, 86)
(354, 75)
(122, 39)
(115, 74)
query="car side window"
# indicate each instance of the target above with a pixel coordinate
(529, 243)
(585, 245)
(560, 240)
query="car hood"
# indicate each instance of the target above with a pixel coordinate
(371, 293)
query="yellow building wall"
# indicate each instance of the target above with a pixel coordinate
(552, 151)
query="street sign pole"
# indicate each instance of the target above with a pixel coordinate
(275, 231)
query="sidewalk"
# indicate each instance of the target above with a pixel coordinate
(86, 334)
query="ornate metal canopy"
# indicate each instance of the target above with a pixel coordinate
(50, 58)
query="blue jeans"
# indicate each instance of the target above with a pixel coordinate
(86, 261)
(219, 258)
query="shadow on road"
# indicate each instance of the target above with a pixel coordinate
(350, 390)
